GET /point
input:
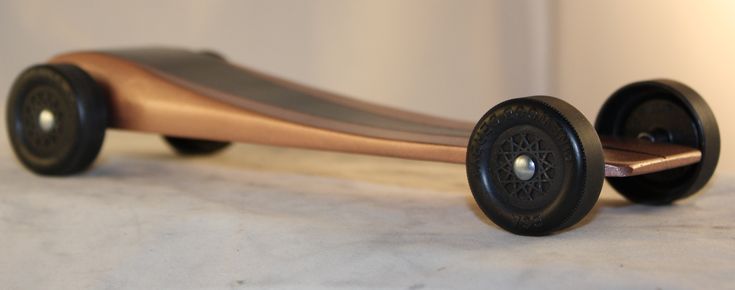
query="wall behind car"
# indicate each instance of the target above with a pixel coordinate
(450, 58)
(443, 57)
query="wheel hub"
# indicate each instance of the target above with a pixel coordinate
(524, 167)
(46, 120)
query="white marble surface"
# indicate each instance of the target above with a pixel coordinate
(268, 218)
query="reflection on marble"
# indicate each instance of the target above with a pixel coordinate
(271, 218)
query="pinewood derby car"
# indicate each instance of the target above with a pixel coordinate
(535, 165)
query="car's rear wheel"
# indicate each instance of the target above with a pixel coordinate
(662, 111)
(192, 147)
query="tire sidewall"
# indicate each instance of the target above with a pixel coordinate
(579, 189)
(86, 123)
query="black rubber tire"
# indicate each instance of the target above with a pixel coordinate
(195, 147)
(680, 116)
(79, 107)
(569, 173)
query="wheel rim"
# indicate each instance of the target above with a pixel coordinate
(40, 102)
(534, 144)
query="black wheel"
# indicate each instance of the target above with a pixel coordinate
(56, 118)
(535, 165)
(188, 146)
(662, 111)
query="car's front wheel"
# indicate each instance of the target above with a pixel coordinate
(56, 119)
